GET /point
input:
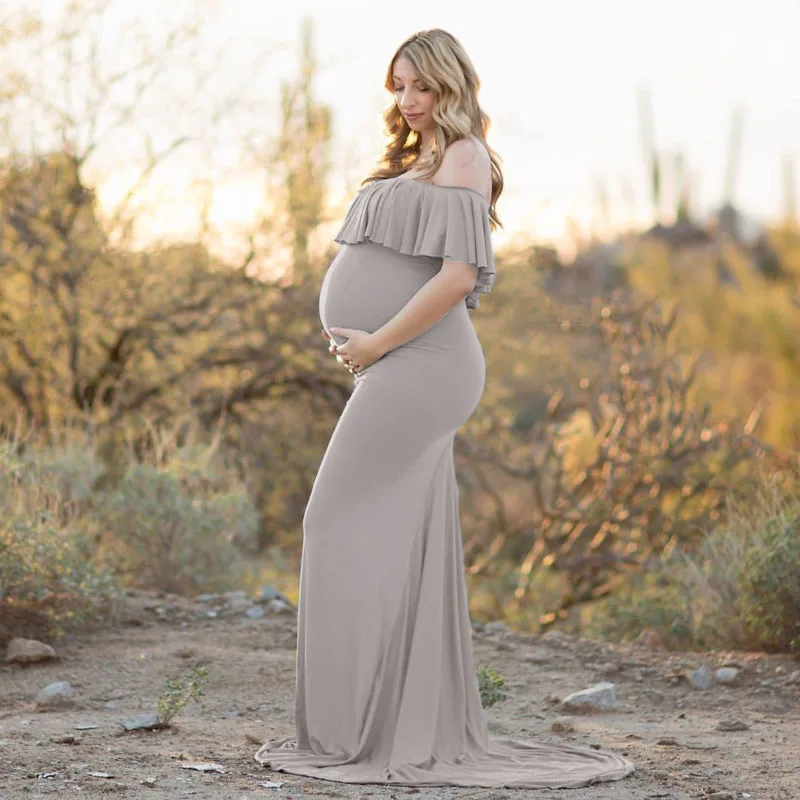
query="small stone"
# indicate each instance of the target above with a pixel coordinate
(535, 657)
(721, 796)
(699, 678)
(141, 722)
(28, 651)
(562, 725)
(150, 783)
(205, 767)
(56, 695)
(497, 626)
(267, 593)
(237, 600)
(206, 598)
(732, 725)
(608, 668)
(278, 607)
(255, 612)
(601, 695)
(726, 674)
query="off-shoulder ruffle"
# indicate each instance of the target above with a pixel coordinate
(425, 219)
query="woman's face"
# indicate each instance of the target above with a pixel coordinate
(414, 99)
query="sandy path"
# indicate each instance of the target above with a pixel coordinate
(665, 726)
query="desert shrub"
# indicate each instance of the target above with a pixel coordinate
(490, 684)
(48, 578)
(168, 532)
(179, 692)
(655, 601)
(739, 588)
(70, 471)
(769, 599)
(624, 467)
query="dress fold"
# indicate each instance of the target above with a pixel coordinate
(423, 219)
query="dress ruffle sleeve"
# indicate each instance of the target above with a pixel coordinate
(424, 219)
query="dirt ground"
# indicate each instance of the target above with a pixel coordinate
(669, 729)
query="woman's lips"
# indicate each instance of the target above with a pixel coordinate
(413, 116)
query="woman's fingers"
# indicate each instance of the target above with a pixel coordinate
(342, 359)
(331, 342)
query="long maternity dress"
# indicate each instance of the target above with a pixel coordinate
(386, 689)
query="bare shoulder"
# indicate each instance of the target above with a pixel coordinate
(466, 163)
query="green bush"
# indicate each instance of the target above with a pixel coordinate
(740, 588)
(490, 683)
(769, 604)
(69, 470)
(655, 601)
(183, 523)
(48, 578)
(178, 692)
(164, 533)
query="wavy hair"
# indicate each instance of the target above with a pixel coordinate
(442, 63)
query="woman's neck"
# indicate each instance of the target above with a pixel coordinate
(426, 144)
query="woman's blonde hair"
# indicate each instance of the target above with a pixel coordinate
(442, 63)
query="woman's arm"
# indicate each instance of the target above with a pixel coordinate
(449, 286)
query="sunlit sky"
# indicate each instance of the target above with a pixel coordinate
(559, 82)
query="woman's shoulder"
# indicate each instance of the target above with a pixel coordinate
(466, 150)
(466, 163)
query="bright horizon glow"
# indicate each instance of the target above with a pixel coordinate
(559, 82)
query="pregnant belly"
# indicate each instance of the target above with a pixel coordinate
(366, 284)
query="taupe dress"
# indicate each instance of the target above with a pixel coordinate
(386, 688)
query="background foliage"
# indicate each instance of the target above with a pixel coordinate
(163, 409)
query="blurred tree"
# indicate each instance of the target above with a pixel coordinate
(303, 153)
(620, 466)
(119, 337)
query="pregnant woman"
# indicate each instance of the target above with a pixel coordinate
(386, 688)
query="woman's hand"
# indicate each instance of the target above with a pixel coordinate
(332, 349)
(358, 352)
